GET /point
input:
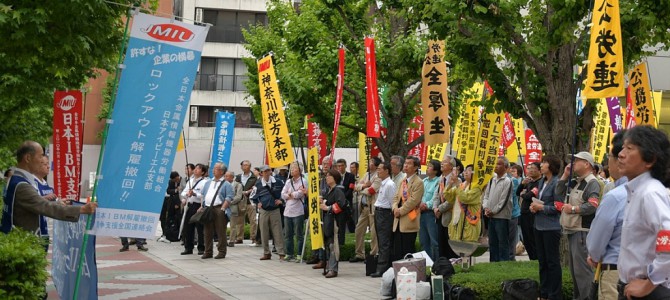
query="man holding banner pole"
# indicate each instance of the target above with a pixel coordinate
(23, 204)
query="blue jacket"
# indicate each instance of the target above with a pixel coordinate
(549, 218)
(267, 194)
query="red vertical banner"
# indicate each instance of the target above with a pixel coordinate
(508, 135)
(68, 132)
(371, 93)
(414, 133)
(533, 148)
(630, 110)
(316, 138)
(338, 99)
(374, 148)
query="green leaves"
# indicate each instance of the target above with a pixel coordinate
(24, 263)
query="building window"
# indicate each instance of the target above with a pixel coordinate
(205, 116)
(227, 25)
(221, 74)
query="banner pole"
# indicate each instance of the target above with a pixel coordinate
(117, 75)
(81, 142)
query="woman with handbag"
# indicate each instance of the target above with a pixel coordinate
(332, 204)
(294, 193)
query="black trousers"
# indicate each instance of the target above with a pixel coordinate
(403, 243)
(189, 229)
(341, 220)
(549, 260)
(526, 221)
(443, 241)
(659, 293)
(383, 227)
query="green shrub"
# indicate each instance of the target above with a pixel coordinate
(23, 274)
(486, 278)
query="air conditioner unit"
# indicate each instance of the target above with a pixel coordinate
(194, 114)
(198, 15)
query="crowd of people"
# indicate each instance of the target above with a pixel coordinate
(616, 219)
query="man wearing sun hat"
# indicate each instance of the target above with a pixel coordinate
(577, 213)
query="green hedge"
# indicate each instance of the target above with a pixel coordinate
(486, 278)
(23, 273)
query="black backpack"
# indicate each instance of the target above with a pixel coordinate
(520, 289)
(443, 267)
(458, 292)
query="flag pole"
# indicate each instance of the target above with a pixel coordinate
(133, 11)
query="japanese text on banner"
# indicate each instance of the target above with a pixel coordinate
(640, 93)
(533, 148)
(68, 133)
(469, 127)
(223, 138)
(604, 76)
(601, 130)
(486, 155)
(434, 99)
(316, 138)
(154, 91)
(277, 140)
(315, 232)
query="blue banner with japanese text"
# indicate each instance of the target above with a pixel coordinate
(68, 238)
(223, 138)
(152, 101)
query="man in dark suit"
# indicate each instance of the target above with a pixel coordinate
(348, 182)
(405, 210)
(246, 208)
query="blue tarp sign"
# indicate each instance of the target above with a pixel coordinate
(223, 139)
(67, 242)
(152, 102)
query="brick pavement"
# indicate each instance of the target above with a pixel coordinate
(162, 273)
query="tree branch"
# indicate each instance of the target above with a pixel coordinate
(353, 33)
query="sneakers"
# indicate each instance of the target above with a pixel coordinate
(298, 258)
(123, 249)
(142, 248)
(164, 240)
(289, 258)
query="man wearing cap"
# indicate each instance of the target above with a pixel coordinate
(266, 194)
(576, 216)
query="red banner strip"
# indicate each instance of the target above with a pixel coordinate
(372, 96)
(68, 132)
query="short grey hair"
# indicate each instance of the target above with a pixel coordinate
(505, 161)
(401, 160)
(221, 165)
(450, 159)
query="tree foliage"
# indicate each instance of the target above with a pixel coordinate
(50, 45)
(305, 46)
(528, 50)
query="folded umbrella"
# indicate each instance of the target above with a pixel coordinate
(596, 282)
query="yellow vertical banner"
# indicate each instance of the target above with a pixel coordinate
(514, 150)
(641, 95)
(315, 232)
(658, 98)
(457, 134)
(488, 141)
(469, 127)
(180, 145)
(434, 95)
(277, 140)
(604, 77)
(436, 152)
(600, 132)
(363, 154)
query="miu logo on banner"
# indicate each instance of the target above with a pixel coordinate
(169, 32)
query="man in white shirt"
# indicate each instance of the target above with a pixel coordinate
(644, 257)
(218, 194)
(384, 218)
(192, 199)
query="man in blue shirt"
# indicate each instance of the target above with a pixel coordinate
(604, 240)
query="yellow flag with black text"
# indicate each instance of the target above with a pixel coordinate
(469, 127)
(488, 140)
(434, 95)
(315, 232)
(363, 154)
(277, 140)
(640, 93)
(604, 77)
(600, 132)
